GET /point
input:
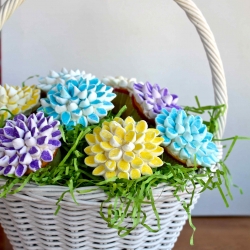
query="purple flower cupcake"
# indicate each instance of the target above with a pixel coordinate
(150, 99)
(28, 143)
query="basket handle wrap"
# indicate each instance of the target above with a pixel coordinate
(207, 38)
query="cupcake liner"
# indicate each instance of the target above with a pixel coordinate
(123, 97)
(123, 87)
(138, 109)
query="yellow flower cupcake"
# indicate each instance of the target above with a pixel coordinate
(123, 148)
(18, 99)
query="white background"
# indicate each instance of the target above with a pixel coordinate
(150, 40)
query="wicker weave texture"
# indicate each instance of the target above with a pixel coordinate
(29, 221)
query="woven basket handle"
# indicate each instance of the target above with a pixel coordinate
(207, 38)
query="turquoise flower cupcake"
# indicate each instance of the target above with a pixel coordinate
(78, 102)
(186, 138)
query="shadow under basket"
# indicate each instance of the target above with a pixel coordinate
(28, 220)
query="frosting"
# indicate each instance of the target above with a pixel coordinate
(123, 148)
(153, 99)
(119, 82)
(187, 138)
(48, 82)
(81, 101)
(27, 143)
(18, 99)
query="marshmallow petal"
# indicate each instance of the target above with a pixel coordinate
(47, 155)
(9, 170)
(35, 165)
(20, 170)
(25, 159)
(54, 144)
(4, 161)
(18, 143)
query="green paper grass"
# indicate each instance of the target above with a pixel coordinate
(30, 77)
(2, 121)
(214, 113)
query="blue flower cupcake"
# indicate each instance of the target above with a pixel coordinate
(186, 138)
(78, 102)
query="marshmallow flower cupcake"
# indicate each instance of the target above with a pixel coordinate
(78, 102)
(150, 99)
(123, 148)
(18, 100)
(186, 138)
(27, 144)
(53, 78)
(120, 83)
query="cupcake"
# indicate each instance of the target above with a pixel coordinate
(28, 144)
(120, 83)
(18, 100)
(78, 102)
(53, 78)
(123, 88)
(123, 149)
(186, 139)
(150, 99)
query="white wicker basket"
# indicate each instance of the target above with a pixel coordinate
(28, 217)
